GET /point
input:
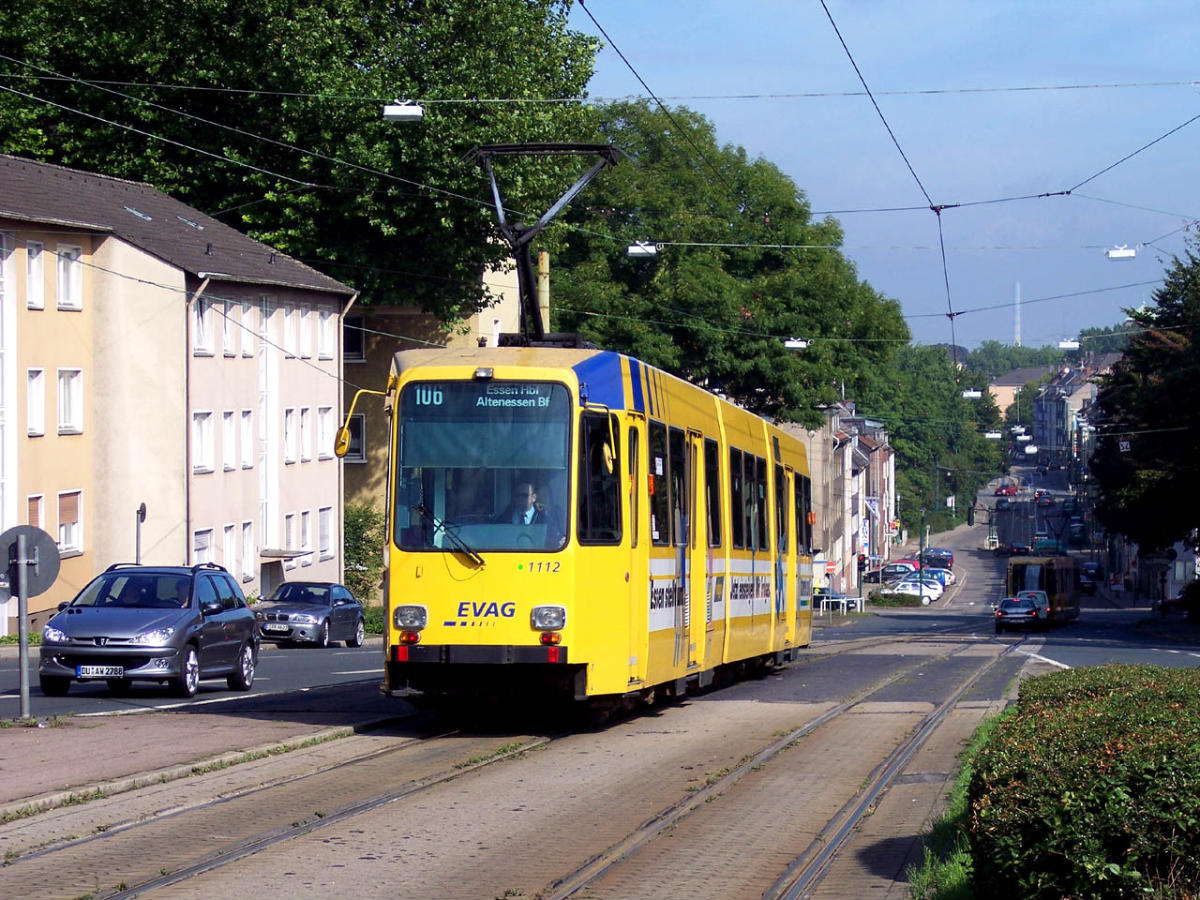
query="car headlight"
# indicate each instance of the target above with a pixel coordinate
(410, 618)
(303, 619)
(260, 615)
(52, 635)
(153, 638)
(548, 618)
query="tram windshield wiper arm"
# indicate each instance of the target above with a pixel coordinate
(440, 525)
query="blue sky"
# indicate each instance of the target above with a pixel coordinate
(965, 143)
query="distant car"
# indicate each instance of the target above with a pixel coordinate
(1042, 497)
(171, 624)
(945, 576)
(927, 589)
(1007, 490)
(895, 570)
(1002, 503)
(314, 612)
(938, 557)
(1018, 550)
(1016, 612)
(1041, 602)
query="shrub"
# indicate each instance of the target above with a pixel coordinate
(1091, 789)
(373, 619)
(886, 598)
(363, 536)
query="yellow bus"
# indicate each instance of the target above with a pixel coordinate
(574, 523)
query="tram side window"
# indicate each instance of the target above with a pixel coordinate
(802, 490)
(712, 491)
(634, 492)
(599, 481)
(736, 507)
(681, 513)
(660, 508)
(781, 517)
(760, 503)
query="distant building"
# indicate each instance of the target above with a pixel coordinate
(152, 354)
(1004, 389)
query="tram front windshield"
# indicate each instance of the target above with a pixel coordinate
(482, 465)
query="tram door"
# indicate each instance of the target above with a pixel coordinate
(682, 491)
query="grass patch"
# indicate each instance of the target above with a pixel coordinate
(945, 871)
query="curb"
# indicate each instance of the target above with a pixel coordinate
(102, 789)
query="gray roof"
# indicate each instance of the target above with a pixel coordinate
(152, 221)
(1022, 377)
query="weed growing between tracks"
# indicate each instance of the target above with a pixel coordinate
(945, 871)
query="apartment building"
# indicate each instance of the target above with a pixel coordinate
(153, 355)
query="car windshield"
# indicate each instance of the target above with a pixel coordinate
(1016, 603)
(137, 590)
(317, 594)
(482, 466)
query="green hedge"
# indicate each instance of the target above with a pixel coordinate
(883, 598)
(1091, 789)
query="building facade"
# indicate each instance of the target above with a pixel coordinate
(156, 359)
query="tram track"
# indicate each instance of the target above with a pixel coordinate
(810, 865)
(300, 806)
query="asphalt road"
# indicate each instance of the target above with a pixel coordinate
(281, 670)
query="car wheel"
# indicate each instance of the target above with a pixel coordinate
(323, 635)
(187, 682)
(54, 686)
(119, 687)
(243, 677)
(360, 635)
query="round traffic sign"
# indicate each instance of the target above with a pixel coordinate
(41, 558)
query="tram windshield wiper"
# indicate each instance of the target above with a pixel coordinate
(440, 525)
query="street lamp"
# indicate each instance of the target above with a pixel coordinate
(403, 111)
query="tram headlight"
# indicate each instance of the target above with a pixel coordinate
(410, 618)
(548, 618)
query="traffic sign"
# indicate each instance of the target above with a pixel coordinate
(41, 557)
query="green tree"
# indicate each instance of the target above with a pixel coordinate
(993, 359)
(390, 209)
(1149, 433)
(939, 435)
(1110, 339)
(706, 307)
(364, 534)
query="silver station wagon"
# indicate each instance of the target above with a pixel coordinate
(170, 624)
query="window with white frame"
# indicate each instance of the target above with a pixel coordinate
(35, 402)
(247, 551)
(325, 333)
(247, 439)
(228, 329)
(325, 532)
(289, 435)
(229, 427)
(37, 510)
(326, 433)
(70, 401)
(289, 329)
(247, 328)
(70, 277)
(35, 275)
(356, 450)
(202, 546)
(202, 441)
(229, 548)
(289, 538)
(306, 327)
(202, 330)
(70, 522)
(306, 537)
(306, 433)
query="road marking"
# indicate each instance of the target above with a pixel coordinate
(375, 671)
(1045, 659)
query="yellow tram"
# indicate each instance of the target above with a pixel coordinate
(574, 523)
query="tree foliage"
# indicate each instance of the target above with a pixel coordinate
(993, 359)
(1149, 435)
(1109, 339)
(391, 209)
(937, 433)
(705, 308)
